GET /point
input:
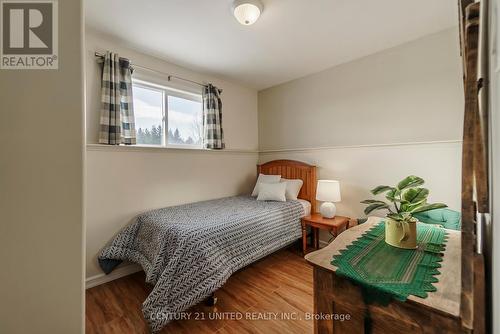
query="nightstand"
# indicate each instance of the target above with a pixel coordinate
(335, 226)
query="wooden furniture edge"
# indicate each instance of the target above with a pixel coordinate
(408, 301)
(325, 300)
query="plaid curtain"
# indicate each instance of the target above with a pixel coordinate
(117, 123)
(213, 134)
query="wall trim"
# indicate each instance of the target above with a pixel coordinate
(158, 149)
(115, 274)
(327, 148)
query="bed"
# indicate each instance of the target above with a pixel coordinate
(189, 251)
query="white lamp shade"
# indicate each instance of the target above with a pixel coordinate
(247, 12)
(328, 191)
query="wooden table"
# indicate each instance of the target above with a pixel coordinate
(334, 225)
(438, 313)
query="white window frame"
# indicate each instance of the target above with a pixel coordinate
(166, 92)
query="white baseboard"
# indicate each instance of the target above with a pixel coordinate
(115, 274)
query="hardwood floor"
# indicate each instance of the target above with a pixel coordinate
(278, 287)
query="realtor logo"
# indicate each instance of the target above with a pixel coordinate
(29, 38)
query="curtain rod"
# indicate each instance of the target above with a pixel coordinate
(169, 76)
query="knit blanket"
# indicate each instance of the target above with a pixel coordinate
(189, 251)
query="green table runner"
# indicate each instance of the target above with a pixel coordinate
(385, 272)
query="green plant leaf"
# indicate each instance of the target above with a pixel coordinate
(395, 216)
(428, 207)
(380, 189)
(393, 195)
(415, 195)
(409, 207)
(375, 206)
(372, 201)
(410, 182)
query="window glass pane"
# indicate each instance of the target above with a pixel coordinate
(184, 121)
(148, 109)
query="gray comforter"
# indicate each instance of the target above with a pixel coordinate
(189, 251)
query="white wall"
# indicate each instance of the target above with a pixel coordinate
(123, 182)
(411, 93)
(374, 120)
(361, 168)
(41, 189)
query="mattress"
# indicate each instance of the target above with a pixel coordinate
(189, 251)
(306, 205)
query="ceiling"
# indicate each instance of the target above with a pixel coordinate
(293, 38)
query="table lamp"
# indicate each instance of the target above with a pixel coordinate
(328, 191)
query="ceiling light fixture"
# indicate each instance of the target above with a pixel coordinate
(247, 12)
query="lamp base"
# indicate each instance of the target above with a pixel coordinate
(328, 209)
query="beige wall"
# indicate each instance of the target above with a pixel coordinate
(155, 178)
(410, 93)
(374, 120)
(123, 182)
(41, 190)
(361, 168)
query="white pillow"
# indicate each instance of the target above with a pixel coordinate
(272, 192)
(265, 179)
(292, 188)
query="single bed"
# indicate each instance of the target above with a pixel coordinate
(189, 251)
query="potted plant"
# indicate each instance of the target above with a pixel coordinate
(406, 199)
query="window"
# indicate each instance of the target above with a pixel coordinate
(148, 110)
(167, 117)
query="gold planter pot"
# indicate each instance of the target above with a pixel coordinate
(401, 234)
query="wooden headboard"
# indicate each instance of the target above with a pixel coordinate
(291, 169)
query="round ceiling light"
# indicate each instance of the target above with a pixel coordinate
(247, 12)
